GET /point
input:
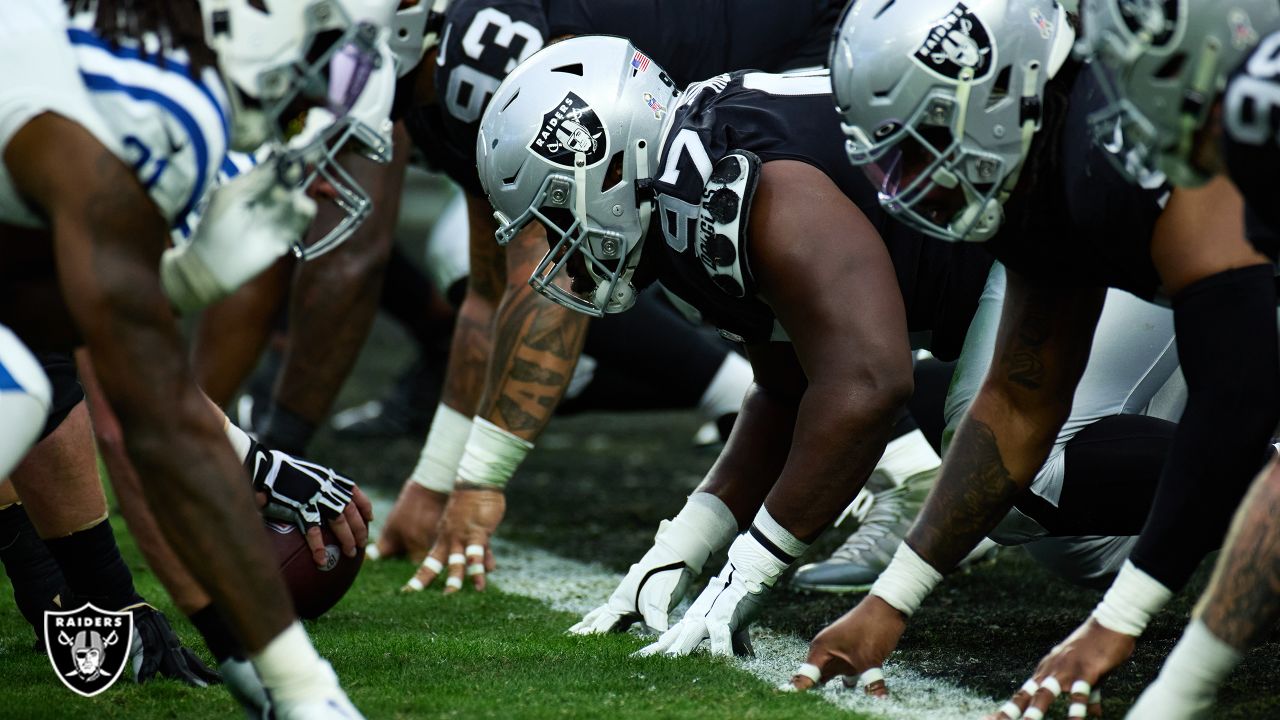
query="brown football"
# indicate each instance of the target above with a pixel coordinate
(314, 589)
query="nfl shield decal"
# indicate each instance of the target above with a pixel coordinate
(1156, 18)
(88, 647)
(569, 128)
(957, 41)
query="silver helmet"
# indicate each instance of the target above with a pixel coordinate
(571, 139)
(1162, 65)
(940, 100)
(415, 30)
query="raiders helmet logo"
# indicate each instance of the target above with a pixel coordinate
(1158, 19)
(571, 127)
(957, 41)
(88, 647)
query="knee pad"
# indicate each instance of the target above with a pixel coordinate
(25, 398)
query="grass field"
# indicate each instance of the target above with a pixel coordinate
(594, 492)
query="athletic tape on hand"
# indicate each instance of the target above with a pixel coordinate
(474, 551)
(371, 552)
(1077, 710)
(475, 569)
(453, 582)
(457, 559)
(433, 564)
(1052, 685)
(809, 670)
(1133, 598)
(1033, 713)
(907, 581)
(1080, 687)
(414, 584)
(1011, 710)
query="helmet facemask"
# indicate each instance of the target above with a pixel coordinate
(588, 268)
(927, 178)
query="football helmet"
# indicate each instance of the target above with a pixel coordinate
(415, 29)
(1162, 65)
(571, 140)
(275, 53)
(940, 100)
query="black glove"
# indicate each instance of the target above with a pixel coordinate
(157, 652)
(297, 490)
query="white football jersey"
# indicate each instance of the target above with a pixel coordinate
(144, 105)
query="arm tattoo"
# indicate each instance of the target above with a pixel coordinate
(1243, 600)
(973, 493)
(1023, 359)
(536, 344)
(468, 355)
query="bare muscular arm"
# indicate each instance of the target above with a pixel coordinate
(827, 275)
(1041, 351)
(108, 237)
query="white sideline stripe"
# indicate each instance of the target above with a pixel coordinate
(577, 587)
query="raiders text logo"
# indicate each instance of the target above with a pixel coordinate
(88, 647)
(1158, 19)
(957, 41)
(571, 127)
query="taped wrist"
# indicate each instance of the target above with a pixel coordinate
(1199, 663)
(438, 464)
(703, 526)
(1133, 598)
(241, 443)
(491, 456)
(779, 541)
(753, 564)
(907, 581)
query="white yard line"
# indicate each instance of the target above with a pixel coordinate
(577, 587)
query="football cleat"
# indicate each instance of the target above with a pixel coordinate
(886, 513)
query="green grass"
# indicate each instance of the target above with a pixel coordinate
(478, 655)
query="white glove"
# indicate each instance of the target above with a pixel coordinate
(652, 586)
(725, 609)
(249, 223)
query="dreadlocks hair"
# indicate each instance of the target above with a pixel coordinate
(177, 23)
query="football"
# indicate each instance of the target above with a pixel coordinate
(314, 589)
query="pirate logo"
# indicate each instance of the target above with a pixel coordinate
(1157, 19)
(88, 647)
(957, 41)
(571, 127)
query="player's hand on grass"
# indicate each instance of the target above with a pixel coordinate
(293, 490)
(157, 652)
(1075, 668)
(649, 592)
(411, 525)
(854, 646)
(470, 519)
(723, 612)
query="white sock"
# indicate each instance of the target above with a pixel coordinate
(906, 456)
(725, 391)
(240, 440)
(291, 669)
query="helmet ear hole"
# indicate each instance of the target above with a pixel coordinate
(1000, 89)
(1173, 68)
(613, 175)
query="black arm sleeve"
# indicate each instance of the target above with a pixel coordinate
(1227, 344)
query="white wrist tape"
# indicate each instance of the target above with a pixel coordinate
(1133, 598)
(906, 582)
(753, 564)
(703, 526)
(1199, 663)
(778, 536)
(492, 455)
(438, 463)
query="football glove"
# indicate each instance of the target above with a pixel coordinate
(725, 609)
(297, 491)
(249, 223)
(157, 652)
(653, 586)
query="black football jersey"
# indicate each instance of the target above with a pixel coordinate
(1251, 140)
(1075, 220)
(789, 117)
(484, 40)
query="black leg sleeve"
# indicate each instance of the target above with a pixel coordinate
(1227, 344)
